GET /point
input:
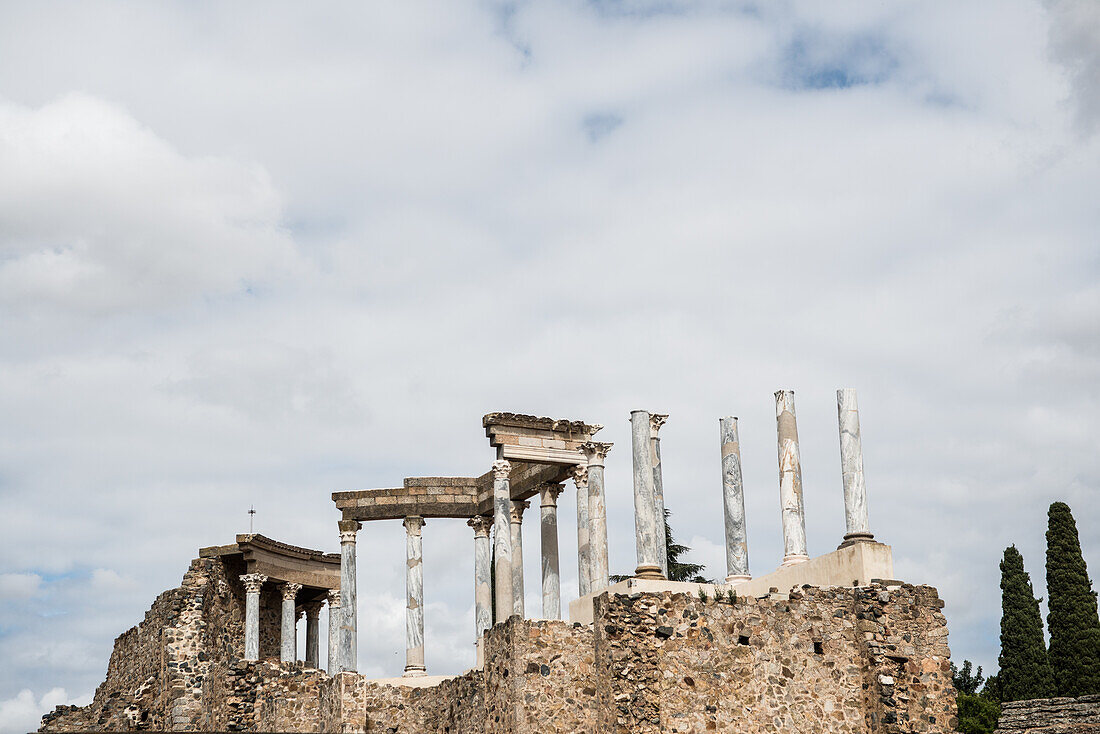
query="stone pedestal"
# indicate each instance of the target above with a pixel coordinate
(253, 584)
(414, 592)
(502, 539)
(856, 523)
(790, 480)
(334, 631)
(595, 453)
(646, 523)
(289, 646)
(483, 592)
(313, 633)
(548, 526)
(584, 567)
(656, 420)
(733, 502)
(349, 652)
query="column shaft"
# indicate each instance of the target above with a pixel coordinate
(790, 480)
(645, 507)
(313, 634)
(851, 465)
(733, 502)
(334, 631)
(502, 539)
(548, 526)
(414, 592)
(483, 592)
(516, 520)
(349, 655)
(584, 560)
(253, 584)
(656, 420)
(289, 647)
(597, 515)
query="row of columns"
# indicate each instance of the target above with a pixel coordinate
(288, 648)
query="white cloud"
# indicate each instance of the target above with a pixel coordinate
(19, 585)
(23, 712)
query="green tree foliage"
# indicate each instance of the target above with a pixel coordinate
(1025, 670)
(965, 679)
(677, 570)
(978, 713)
(1072, 620)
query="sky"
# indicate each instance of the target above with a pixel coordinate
(254, 253)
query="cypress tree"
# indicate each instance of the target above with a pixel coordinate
(1071, 621)
(1025, 669)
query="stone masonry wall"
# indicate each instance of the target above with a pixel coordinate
(1051, 716)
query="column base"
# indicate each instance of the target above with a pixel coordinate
(414, 672)
(795, 560)
(649, 571)
(853, 538)
(738, 579)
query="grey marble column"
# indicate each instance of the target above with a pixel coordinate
(595, 453)
(414, 593)
(584, 565)
(289, 647)
(313, 633)
(656, 420)
(790, 480)
(548, 526)
(516, 519)
(646, 523)
(333, 631)
(349, 647)
(483, 592)
(253, 584)
(733, 502)
(857, 528)
(502, 539)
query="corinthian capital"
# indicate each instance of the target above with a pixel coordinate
(656, 420)
(481, 525)
(596, 452)
(518, 506)
(549, 493)
(253, 582)
(333, 598)
(580, 475)
(413, 524)
(501, 469)
(290, 591)
(348, 529)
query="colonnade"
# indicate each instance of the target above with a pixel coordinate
(290, 613)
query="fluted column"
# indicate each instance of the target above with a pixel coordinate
(595, 453)
(349, 655)
(253, 584)
(516, 519)
(646, 522)
(313, 633)
(333, 631)
(656, 420)
(502, 539)
(289, 647)
(414, 593)
(733, 502)
(856, 524)
(548, 527)
(483, 592)
(790, 480)
(584, 566)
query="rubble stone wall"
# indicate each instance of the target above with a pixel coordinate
(1051, 716)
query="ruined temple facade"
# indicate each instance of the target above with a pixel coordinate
(825, 644)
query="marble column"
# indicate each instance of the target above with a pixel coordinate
(517, 556)
(790, 480)
(595, 453)
(414, 593)
(348, 654)
(733, 502)
(253, 584)
(502, 539)
(313, 634)
(656, 420)
(548, 527)
(483, 591)
(584, 566)
(289, 647)
(333, 631)
(857, 528)
(646, 523)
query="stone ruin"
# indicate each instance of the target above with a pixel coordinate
(843, 648)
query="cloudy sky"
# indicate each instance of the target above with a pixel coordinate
(254, 253)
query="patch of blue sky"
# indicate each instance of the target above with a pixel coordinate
(599, 125)
(813, 60)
